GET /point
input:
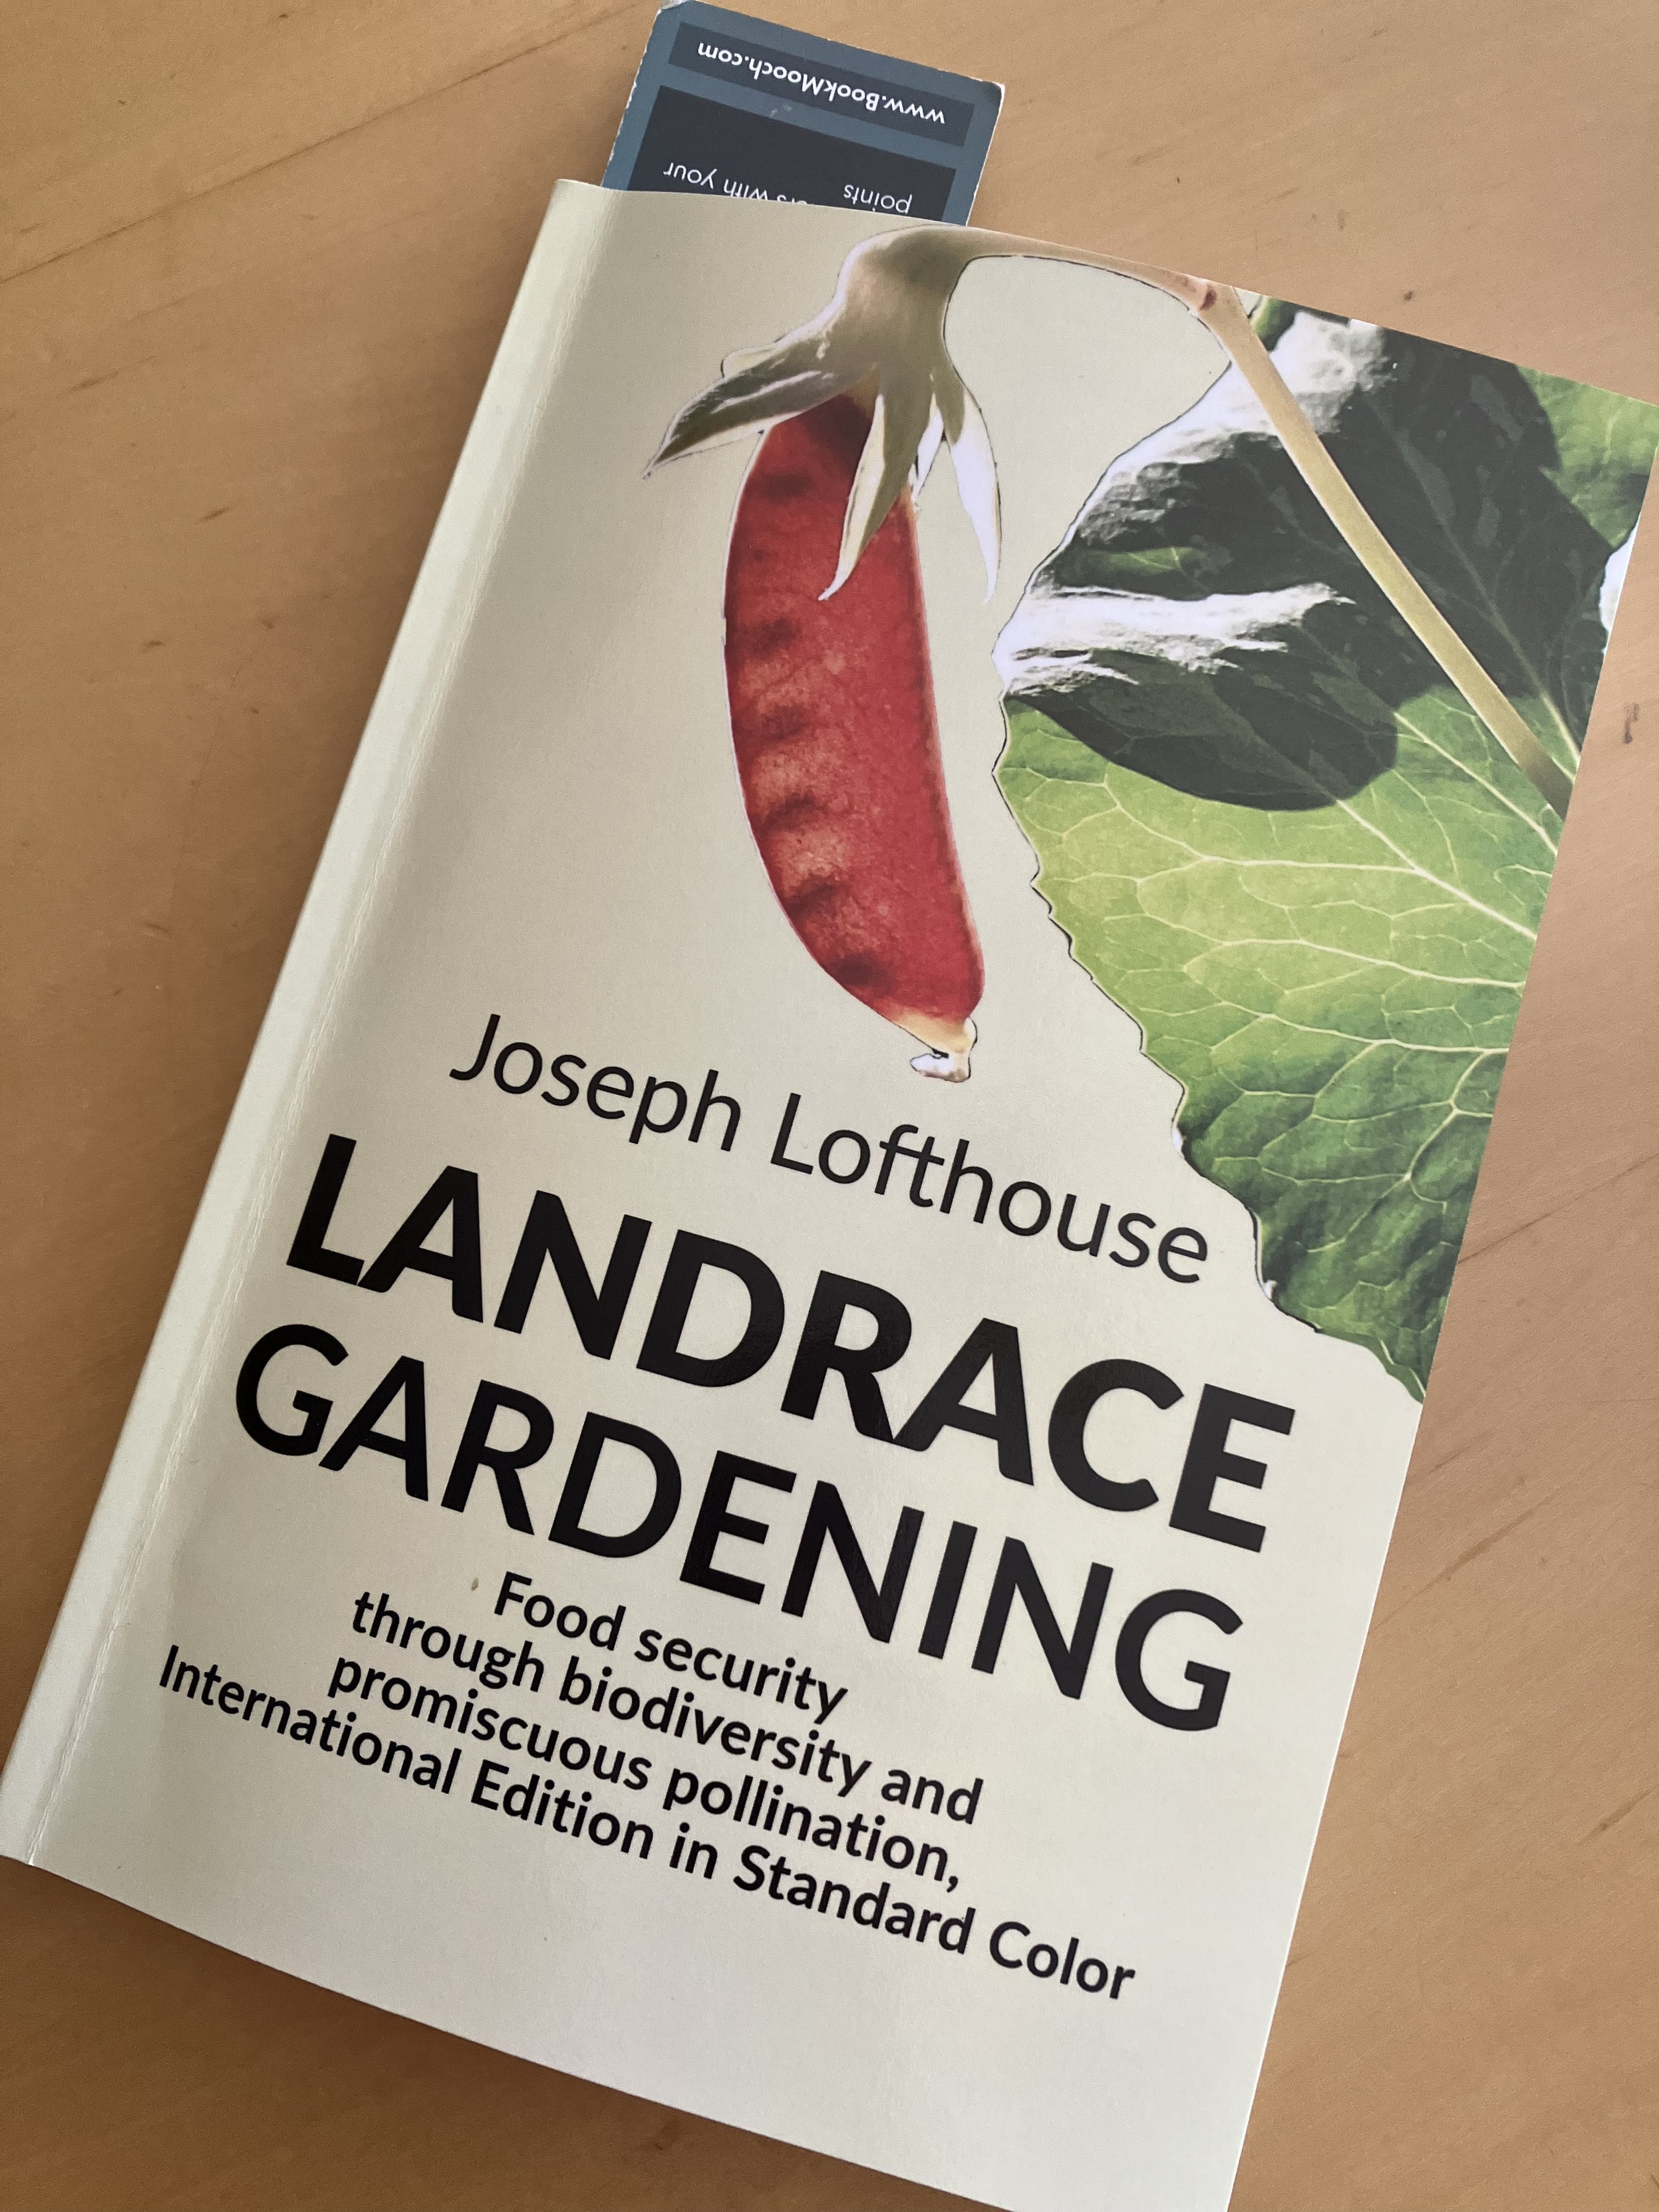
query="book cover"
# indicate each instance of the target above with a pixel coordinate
(765, 1472)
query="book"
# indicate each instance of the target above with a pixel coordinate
(766, 1469)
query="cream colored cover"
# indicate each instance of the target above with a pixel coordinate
(971, 1856)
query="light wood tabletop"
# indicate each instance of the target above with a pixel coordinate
(253, 261)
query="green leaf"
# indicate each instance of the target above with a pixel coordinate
(1604, 449)
(1337, 1014)
(1273, 834)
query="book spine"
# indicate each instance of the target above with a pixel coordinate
(294, 1036)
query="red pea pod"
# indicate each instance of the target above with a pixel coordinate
(837, 739)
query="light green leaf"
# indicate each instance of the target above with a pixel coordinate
(1337, 1014)
(1604, 445)
(1272, 832)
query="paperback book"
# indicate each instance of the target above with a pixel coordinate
(766, 1469)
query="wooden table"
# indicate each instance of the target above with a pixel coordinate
(254, 261)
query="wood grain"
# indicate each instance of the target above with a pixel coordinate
(253, 263)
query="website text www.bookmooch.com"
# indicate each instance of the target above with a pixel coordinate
(813, 85)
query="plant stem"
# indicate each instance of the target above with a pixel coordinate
(1225, 314)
